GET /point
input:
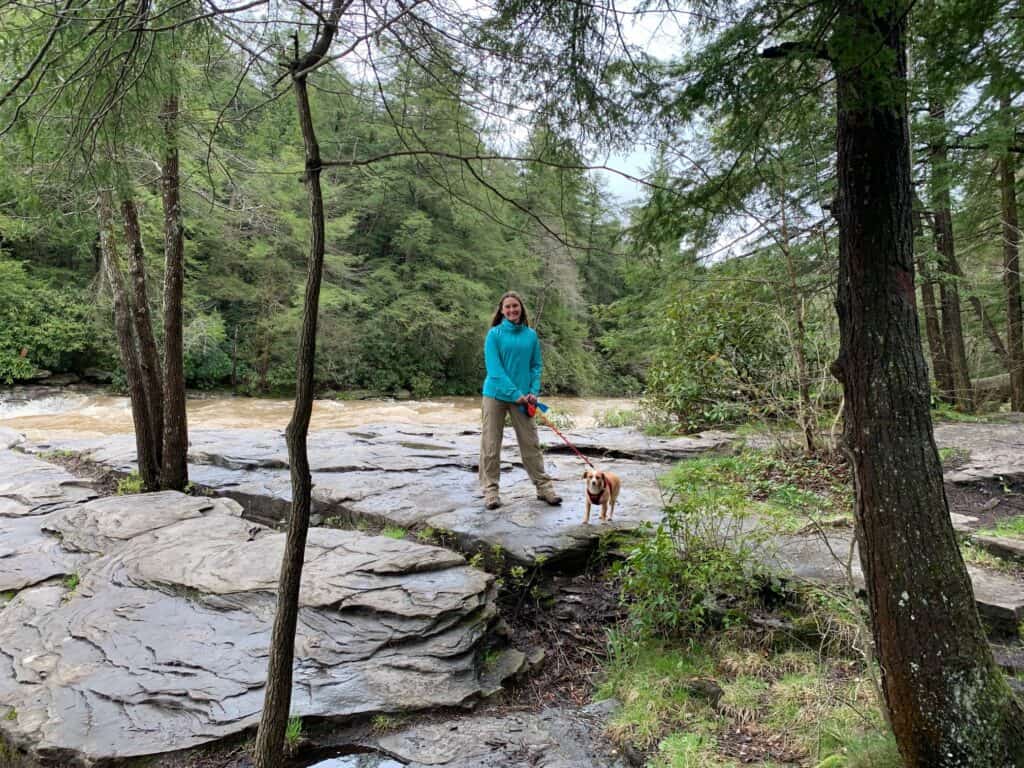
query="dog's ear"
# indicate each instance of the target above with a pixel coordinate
(587, 473)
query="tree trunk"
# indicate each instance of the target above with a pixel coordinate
(952, 322)
(949, 703)
(991, 332)
(277, 702)
(936, 345)
(1011, 271)
(145, 438)
(174, 469)
(799, 340)
(149, 359)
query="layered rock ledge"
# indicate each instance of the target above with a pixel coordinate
(425, 477)
(135, 625)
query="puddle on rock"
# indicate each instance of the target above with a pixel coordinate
(348, 757)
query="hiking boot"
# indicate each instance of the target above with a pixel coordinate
(491, 501)
(549, 495)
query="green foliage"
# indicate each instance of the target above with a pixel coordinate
(977, 555)
(129, 485)
(393, 532)
(672, 580)
(384, 723)
(207, 362)
(293, 732)
(1011, 526)
(71, 582)
(41, 327)
(618, 417)
(870, 751)
(649, 678)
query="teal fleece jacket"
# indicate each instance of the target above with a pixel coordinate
(512, 357)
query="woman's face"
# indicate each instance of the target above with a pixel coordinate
(511, 309)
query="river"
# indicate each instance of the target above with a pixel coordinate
(41, 412)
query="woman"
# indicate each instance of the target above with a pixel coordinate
(512, 357)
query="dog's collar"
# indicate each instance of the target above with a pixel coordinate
(595, 499)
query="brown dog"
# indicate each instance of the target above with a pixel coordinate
(601, 488)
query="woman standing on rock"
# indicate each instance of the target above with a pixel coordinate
(512, 357)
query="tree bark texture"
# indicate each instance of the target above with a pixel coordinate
(1011, 272)
(277, 701)
(142, 325)
(952, 321)
(174, 468)
(949, 703)
(145, 439)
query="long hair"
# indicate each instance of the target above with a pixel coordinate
(498, 317)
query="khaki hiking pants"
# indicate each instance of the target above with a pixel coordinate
(491, 435)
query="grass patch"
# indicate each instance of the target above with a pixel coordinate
(71, 582)
(129, 485)
(385, 723)
(689, 750)
(953, 457)
(58, 453)
(946, 412)
(393, 532)
(650, 681)
(293, 732)
(1010, 527)
(975, 555)
(790, 706)
(787, 494)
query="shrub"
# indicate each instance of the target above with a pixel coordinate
(700, 552)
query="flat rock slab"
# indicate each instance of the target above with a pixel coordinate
(162, 644)
(1000, 597)
(996, 451)
(31, 493)
(425, 477)
(629, 443)
(553, 738)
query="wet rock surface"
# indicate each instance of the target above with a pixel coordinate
(140, 624)
(555, 737)
(386, 625)
(425, 477)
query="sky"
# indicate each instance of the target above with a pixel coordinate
(659, 36)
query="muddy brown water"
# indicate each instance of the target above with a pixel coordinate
(41, 414)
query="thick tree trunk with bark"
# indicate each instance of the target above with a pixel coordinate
(142, 323)
(949, 703)
(952, 322)
(270, 736)
(1011, 272)
(174, 469)
(145, 438)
